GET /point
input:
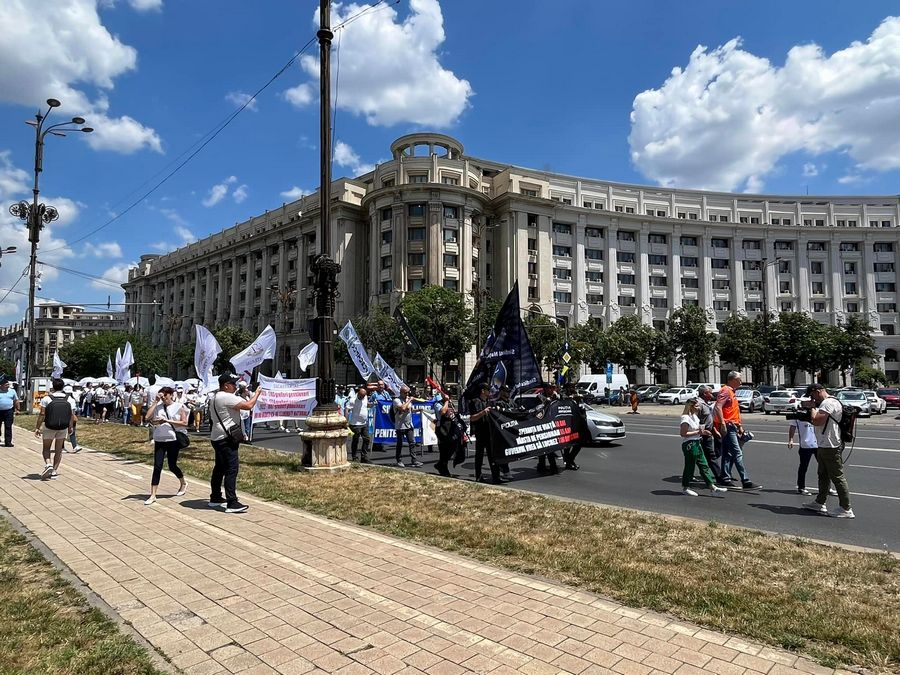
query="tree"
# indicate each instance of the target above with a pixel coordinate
(490, 308)
(629, 341)
(691, 341)
(379, 333)
(848, 344)
(595, 350)
(7, 368)
(869, 377)
(87, 357)
(745, 343)
(660, 352)
(441, 321)
(797, 343)
(544, 335)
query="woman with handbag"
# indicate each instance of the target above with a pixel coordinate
(168, 418)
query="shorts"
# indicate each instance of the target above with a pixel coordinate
(54, 434)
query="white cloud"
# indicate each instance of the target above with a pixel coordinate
(218, 192)
(181, 229)
(239, 98)
(389, 69)
(107, 249)
(726, 119)
(852, 179)
(83, 52)
(345, 156)
(117, 274)
(186, 236)
(239, 194)
(810, 170)
(146, 5)
(295, 193)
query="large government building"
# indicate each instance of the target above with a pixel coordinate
(581, 249)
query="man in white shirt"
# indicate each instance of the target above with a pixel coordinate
(806, 448)
(826, 417)
(225, 409)
(357, 409)
(55, 423)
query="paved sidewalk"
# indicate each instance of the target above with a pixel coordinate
(277, 590)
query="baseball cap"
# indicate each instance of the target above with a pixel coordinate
(816, 387)
(228, 378)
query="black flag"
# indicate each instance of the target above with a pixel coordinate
(407, 331)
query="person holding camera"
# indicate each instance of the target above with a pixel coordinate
(806, 444)
(165, 416)
(825, 416)
(692, 435)
(226, 435)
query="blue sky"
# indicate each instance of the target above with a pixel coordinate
(780, 97)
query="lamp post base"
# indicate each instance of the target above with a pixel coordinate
(325, 440)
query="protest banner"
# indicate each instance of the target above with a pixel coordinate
(383, 429)
(520, 435)
(284, 399)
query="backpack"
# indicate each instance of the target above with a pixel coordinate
(58, 413)
(847, 423)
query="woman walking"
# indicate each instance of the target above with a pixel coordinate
(136, 401)
(691, 447)
(165, 416)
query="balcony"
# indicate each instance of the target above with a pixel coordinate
(659, 249)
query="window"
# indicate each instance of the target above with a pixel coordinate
(689, 241)
(751, 265)
(883, 247)
(742, 219)
(594, 298)
(751, 244)
(562, 228)
(596, 277)
(849, 268)
(719, 243)
(784, 246)
(885, 223)
(690, 302)
(658, 259)
(562, 273)
(886, 307)
(787, 306)
(593, 232)
(850, 288)
(452, 284)
(562, 251)
(532, 245)
(449, 236)
(690, 282)
(816, 246)
(418, 178)
(451, 260)
(873, 223)
(885, 287)
(693, 216)
(753, 306)
(721, 284)
(386, 214)
(416, 210)
(660, 213)
(532, 268)
(532, 220)
(657, 238)
(529, 193)
(688, 261)
(593, 254)
(851, 223)
(820, 222)
(659, 282)
(776, 221)
(387, 286)
(386, 262)
(720, 263)
(619, 208)
(784, 267)
(416, 233)
(387, 182)
(818, 288)
(625, 235)
(626, 301)
(849, 246)
(852, 307)
(884, 267)
(566, 200)
(815, 267)
(416, 284)
(650, 211)
(819, 307)
(888, 329)
(752, 285)
(626, 279)
(842, 223)
(451, 212)
(599, 205)
(562, 296)
(624, 257)
(721, 305)
(682, 215)
(449, 180)
(415, 259)
(785, 221)
(659, 303)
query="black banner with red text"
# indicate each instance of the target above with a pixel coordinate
(520, 435)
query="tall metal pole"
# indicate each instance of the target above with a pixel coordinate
(34, 234)
(765, 286)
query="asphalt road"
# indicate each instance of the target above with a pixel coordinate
(644, 472)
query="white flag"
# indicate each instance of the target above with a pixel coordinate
(356, 350)
(263, 348)
(109, 366)
(206, 351)
(58, 365)
(124, 363)
(386, 373)
(164, 381)
(19, 370)
(307, 355)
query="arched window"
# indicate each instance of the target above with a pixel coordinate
(890, 354)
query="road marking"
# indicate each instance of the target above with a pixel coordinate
(757, 440)
(756, 431)
(881, 468)
(863, 494)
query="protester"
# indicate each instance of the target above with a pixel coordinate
(195, 405)
(728, 410)
(402, 407)
(9, 407)
(806, 447)
(243, 391)
(570, 453)
(55, 421)
(691, 434)
(547, 396)
(136, 401)
(225, 414)
(125, 404)
(622, 396)
(358, 420)
(73, 438)
(710, 444)
(503, 403)
(447, 433)
(166, 416)
(826, 414)
(479, 409)
(634, 402)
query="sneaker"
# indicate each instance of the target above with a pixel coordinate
(803, 491)
(689, 492)
(416, 464)
(400, 465)
(815, 506)
(149, 501)
(237, 507)
(841, 512)
(750, 485)
(832, 492)
(77, 449)
(217, 504)
(47, 472)
(716, 488)
(54, 474)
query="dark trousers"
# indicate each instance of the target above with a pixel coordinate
(482, 448)
(446, 448)
(225, 468)
(542, 462)
(410, 435)
(712, 454)
(161, 451)
(806, 454)
(360, 432)
(570, 453)
(6, 416)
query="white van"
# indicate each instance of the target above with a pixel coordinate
(696, 385)
(596, 384)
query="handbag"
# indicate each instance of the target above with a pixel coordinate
(234, 431)
(181, 436)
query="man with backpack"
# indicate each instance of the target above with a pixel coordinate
(54, 424)
(832, 425)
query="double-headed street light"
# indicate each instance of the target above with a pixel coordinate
(37, 215)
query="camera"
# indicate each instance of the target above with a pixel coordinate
(802, 415)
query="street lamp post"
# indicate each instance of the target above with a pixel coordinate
(765, 286)
(37, 215)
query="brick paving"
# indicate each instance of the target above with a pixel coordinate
(277, 590)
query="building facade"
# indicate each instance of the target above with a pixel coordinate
(582, 249)
(55, 327)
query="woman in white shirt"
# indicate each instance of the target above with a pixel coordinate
(165, 415)
(691, 447)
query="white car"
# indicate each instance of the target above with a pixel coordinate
(781, 401)
(876, 403)
(677, 395)
(856, 398)
(604, 428)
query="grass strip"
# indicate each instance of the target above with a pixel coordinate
(837, 606)
(47, 627)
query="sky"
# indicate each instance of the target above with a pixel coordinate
(771, 96)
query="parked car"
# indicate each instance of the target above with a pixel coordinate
(750, 400)
(890, 395)
(781, 401)
(676, 395)
(647, 392)
(766, 389)
(604, 428)
(878, 404)
(857, 399)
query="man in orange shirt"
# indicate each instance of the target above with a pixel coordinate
(728, 410)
